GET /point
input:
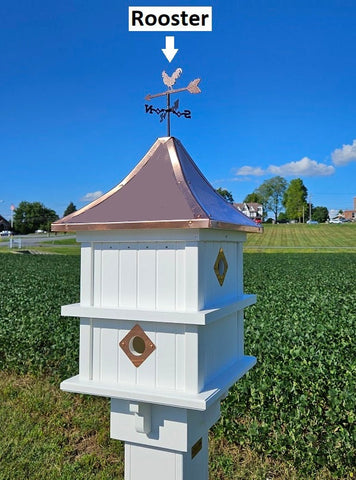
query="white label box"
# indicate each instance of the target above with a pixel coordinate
(170, 19)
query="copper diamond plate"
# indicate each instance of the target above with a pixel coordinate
(137, 345)
(220, 266)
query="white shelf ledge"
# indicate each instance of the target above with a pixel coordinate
(201, 317)
(216, 389)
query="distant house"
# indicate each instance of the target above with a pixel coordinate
(4, 224)
(252, 210)
(351, 214)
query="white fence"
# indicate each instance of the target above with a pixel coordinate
(14, 241)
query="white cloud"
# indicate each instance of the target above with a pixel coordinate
(304, 167)
(344, 155)
(91, 196)
(246, 170)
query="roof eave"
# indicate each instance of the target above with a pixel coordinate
(165, 224)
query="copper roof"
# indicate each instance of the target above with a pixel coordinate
(165, 190)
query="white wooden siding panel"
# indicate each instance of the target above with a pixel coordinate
(97, 276)
(240, 333)
(86, 275)
(219, 340)
(193, 301)
(180, 359)
(86, 351)
(110, 276)
(239, 268)
(166, 278)
(180, 279)
(191, 359)
(128, 278)
(146, 282)
(166, 358)
(109, 351)
(215, 294)
(96, 349)
(231, 276)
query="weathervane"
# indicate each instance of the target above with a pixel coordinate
(169, 81)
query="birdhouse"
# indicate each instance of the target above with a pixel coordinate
(161, 310)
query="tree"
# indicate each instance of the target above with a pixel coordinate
(30, 217)
(320, 214)
(225, 194)
(70, 209)
(282, 217)
(295, 199)
(253, 198)
(271, 192)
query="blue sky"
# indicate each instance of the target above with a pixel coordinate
(278, 97)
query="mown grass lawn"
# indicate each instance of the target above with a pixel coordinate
(313, 238)
(52, 435)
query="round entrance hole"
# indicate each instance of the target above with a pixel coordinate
(137, 346)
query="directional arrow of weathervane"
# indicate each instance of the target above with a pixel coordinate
(191, 88)
(169, 51)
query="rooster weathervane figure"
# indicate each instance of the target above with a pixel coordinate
(169, 81)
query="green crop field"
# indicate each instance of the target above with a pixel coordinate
(291, 417)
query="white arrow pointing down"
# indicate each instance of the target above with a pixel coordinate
(169, 51)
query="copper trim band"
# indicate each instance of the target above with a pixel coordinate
(194, 223)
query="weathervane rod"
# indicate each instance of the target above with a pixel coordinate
(168, 114)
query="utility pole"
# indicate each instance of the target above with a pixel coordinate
(12, 208)
(310, 206)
